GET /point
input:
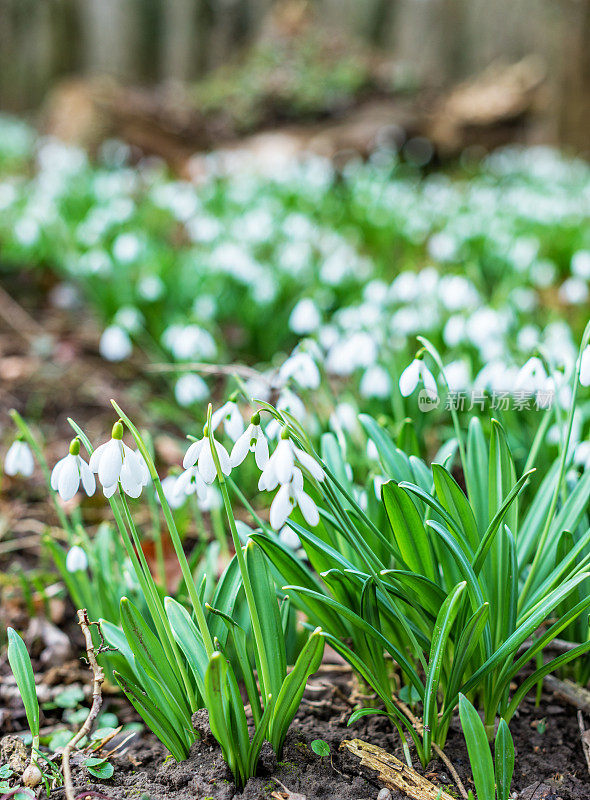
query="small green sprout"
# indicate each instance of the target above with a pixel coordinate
(321, 748)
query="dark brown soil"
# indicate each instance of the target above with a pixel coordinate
(549, 763)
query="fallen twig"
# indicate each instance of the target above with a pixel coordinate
(393, 773)
(569, 692)
(585, 737)
(97, 681)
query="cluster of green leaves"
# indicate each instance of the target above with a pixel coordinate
(458, 588)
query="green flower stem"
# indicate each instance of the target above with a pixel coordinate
(562, 466)
(219, 531)
(165, 624)
(182, 560)
(34, 445)
(256, 628)
(157, 538)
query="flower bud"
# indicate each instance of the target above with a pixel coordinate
(75, 447)
(117, 432)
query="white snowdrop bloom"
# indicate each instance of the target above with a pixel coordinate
(442, 247)
(19, 459)
(405, 288)
(212, 499)
(305, 317)
(70, 471)
(582, 455)
(76, 559)
(190, 389)
(174, 496)
(114, 461)
(289, 538)
(585, 366)
(344, 417)
(543, 273)
(378, 482)
(531, 377)
(200, 453)
(496, 376)
(375, 292)
(115, 344)
(574, 291)
(205, 307)
(300, 367)
(252, 440)
(150, 288)
(129, 318)
(353, 352)
(375, 382)
(27, 231)
(187, 483)
(372, 452)
(528, 338)
(230, 415)
(580, 264)
(457, 374)
(456, 292)
(524, 298)
(127, 247)
(281, 465)
(454, 330)
(411, 376)
(189, 341)
(289, 495)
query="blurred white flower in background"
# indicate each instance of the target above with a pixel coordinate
(19, 460)
(190, 389)
(115, 344)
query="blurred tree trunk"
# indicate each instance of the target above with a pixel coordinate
(180, 39)
(111, 30)
(573, 96)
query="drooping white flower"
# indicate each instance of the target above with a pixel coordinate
(115, 344)
(174, 496)
(76, 559)
(375, 382)
(190, 389)
(412, 375)
(281, 467)
(189, 482)
(200, 453)
(230, 415)
(305, 317)
(301, 368)
(19, 459)
(532, 376)
(114, 461)
(585, 366)
(289, 495)
(70, 471)
(252, 440)
(582, 455)
(289, 538)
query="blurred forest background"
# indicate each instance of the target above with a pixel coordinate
(433, 43)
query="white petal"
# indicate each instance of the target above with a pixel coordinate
(429, 381)
(69, 478)
(128, 477)
(224, 461)
(87, 476)
(284, 461)
(133, 465)
(76, 559)
(55, 473)
(96, 456)
(109, 491)
(218, 416)
(206, 464)
(409, 378)
(11, 462)
(111, 463)
(192, 454)
(241, 447)
(310, 464)
(234, 426)
(27, 464)
(308, 508)
(281, 507)
(261, 451)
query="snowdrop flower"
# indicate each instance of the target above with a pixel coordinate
(289, 495)
(200, 453)
(114, 462)
(532, 376)
(115, 344)
(70, 471)
(187, 483)
(412, 375)
(375, 382)
(585, 366)
(280, 467)
(190, 389)
(252, 440)
(76, 559)
(230, 415)
(289, 538)
(19, 459)
(582, 455)
(305, 317)
(302, 369)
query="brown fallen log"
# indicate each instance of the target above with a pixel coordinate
(392, 772)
